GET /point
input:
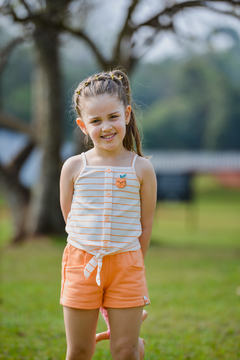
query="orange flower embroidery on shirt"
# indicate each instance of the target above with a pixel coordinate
(121, 182)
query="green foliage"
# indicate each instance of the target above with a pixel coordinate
(192, 269)
(193, 103)
(196, 104)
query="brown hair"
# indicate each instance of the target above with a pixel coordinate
(112, 83)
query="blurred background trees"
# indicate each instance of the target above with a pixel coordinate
(189, 103)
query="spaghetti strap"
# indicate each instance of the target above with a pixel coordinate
(134, 161)
(84, 165)
(84, 160)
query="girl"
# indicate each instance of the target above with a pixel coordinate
(108, 197)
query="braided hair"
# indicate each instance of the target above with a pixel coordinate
(113, 83)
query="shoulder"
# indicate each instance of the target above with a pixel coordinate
(72, 167)
(144, 169)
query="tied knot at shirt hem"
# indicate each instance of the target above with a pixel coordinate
(96, 261)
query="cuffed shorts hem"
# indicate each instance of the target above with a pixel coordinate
(107, 304)
(75, 305)
(124, 305)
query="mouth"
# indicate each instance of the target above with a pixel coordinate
(108, 136)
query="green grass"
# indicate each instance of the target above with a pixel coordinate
(193, 274)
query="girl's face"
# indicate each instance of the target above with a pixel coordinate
(104, 118)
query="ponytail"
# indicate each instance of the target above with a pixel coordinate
(117, 83)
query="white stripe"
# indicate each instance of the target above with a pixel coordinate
(106, 221)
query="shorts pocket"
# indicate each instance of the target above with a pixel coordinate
(76, 258)
(136, 259)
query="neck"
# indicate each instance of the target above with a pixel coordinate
(106, 157)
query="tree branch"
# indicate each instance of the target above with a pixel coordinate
(126, 30)
(172, 10)
(12, 123)
(104, 62)
(150, 40)
(26, 6)
(13, 13)
(60, 26)
(16, 163)
(4, 53)
(227, 13)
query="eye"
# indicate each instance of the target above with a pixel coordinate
(114, 116)
(95, 121)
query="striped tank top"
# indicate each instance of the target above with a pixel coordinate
(105, 213)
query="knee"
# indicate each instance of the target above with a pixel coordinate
(125, 352)
(79, 353)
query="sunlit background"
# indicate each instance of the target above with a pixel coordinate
(183, 61)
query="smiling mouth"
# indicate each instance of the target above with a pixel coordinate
(108, 137)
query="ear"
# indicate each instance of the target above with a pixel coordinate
(128, 113)
(82, 125)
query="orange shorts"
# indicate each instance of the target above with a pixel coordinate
(123, 282)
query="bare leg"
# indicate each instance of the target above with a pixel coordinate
(102, 336)
(141, 348)
(144, 315)
(125, 327)
(80, 328)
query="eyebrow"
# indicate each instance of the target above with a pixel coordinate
(97, 117)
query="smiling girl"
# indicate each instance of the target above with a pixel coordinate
(108, 197)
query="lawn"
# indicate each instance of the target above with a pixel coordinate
(193, 274)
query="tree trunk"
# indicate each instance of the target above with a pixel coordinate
(18, 198)
(45, 216)
(16, 194)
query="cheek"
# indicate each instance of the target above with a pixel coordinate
(121, 123)
(122, 128)
(94, 131)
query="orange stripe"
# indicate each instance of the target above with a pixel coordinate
(92, 227)
(113, 247)
(117, 252)
(90, 190)
(84, 171)
(77, 242)
(107, 202)
(110, 202)
(91, 265)
(103, 177)
(107, 209)
(125, 250)
(126, 236)
(126, 217)
(98, 196)
(85, 240)
(120, 251)
(103, 184)
(117, 242)
(87, 270)
(99, 248)
(112, 222)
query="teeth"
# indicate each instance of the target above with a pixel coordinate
(108, 136)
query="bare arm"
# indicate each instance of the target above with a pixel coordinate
(70, 170)
(148, 192)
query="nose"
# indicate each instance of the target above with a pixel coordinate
(106, 126)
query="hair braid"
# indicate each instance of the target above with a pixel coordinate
(116, 83)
